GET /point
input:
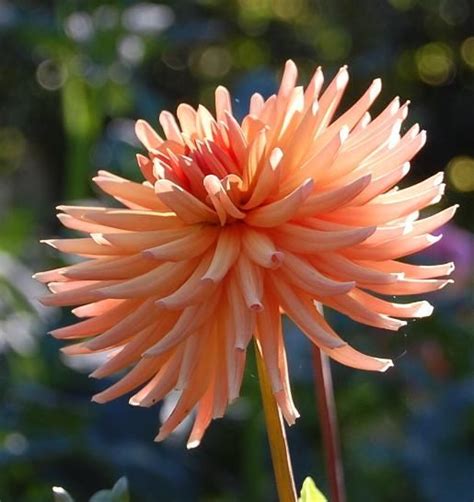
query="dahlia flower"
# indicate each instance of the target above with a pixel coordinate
(236, 223)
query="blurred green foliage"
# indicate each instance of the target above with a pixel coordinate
(73, 77)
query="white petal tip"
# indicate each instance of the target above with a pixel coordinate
(375, 88)
(387, 363)
(193, 444)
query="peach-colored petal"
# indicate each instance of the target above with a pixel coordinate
(138, 319)
(267, 180)
(269, 335)
(242, 320)
(160, 281)
(413, 271)
(359, 312)
(150, 139)
(193, 290)
(278, 212)
(260, 248)
(225, 254)
(415, 309)
(98, 324)
(193, 244)
(300, 308)
(162, 383)
(77, 296)
(132, 351)
(318, 202)
(124, 267)
(138, 375)
(308, 241)
(131, 194)
(191, 319)
(342, 268)
(411, 286)
(392, 249)
(187, 207)
(300, 273)
(133, 220)
(251, 283)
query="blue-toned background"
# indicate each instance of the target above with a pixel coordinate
(74, 75)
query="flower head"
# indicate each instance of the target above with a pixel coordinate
(236, 223)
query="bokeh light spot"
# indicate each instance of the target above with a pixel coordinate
(148, 18)
(131, 49)
(254, 16)
(51, 75)
(467, 51)
(79, 27)
(334, 43)
(15, 443)
(214, 62)
(454, 12)
(461, 173)
(434, 62)
(288, 10)
(250, 53)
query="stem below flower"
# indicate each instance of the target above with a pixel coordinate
(328, 421)
(276, 435)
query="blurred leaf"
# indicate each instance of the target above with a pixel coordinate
(16, 228)
(120, 490)
(61, 495)
(310, 493)
(119, 493)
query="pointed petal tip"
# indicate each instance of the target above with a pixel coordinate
(445, 283)
(344, 134)
(433, 239)
(160, 436)
(386, 364)
(342, 78)
(49, 242)
(221, 88)
(47, 301)
(193, 444)
(375, 88)
(96, 374)
(425, 309)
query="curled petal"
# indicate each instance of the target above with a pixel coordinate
(260, 249)
(251, 284)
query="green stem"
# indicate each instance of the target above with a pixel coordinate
(276, 435)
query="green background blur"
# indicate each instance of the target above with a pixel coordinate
(73, 78)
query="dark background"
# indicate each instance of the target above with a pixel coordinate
(73, 78)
